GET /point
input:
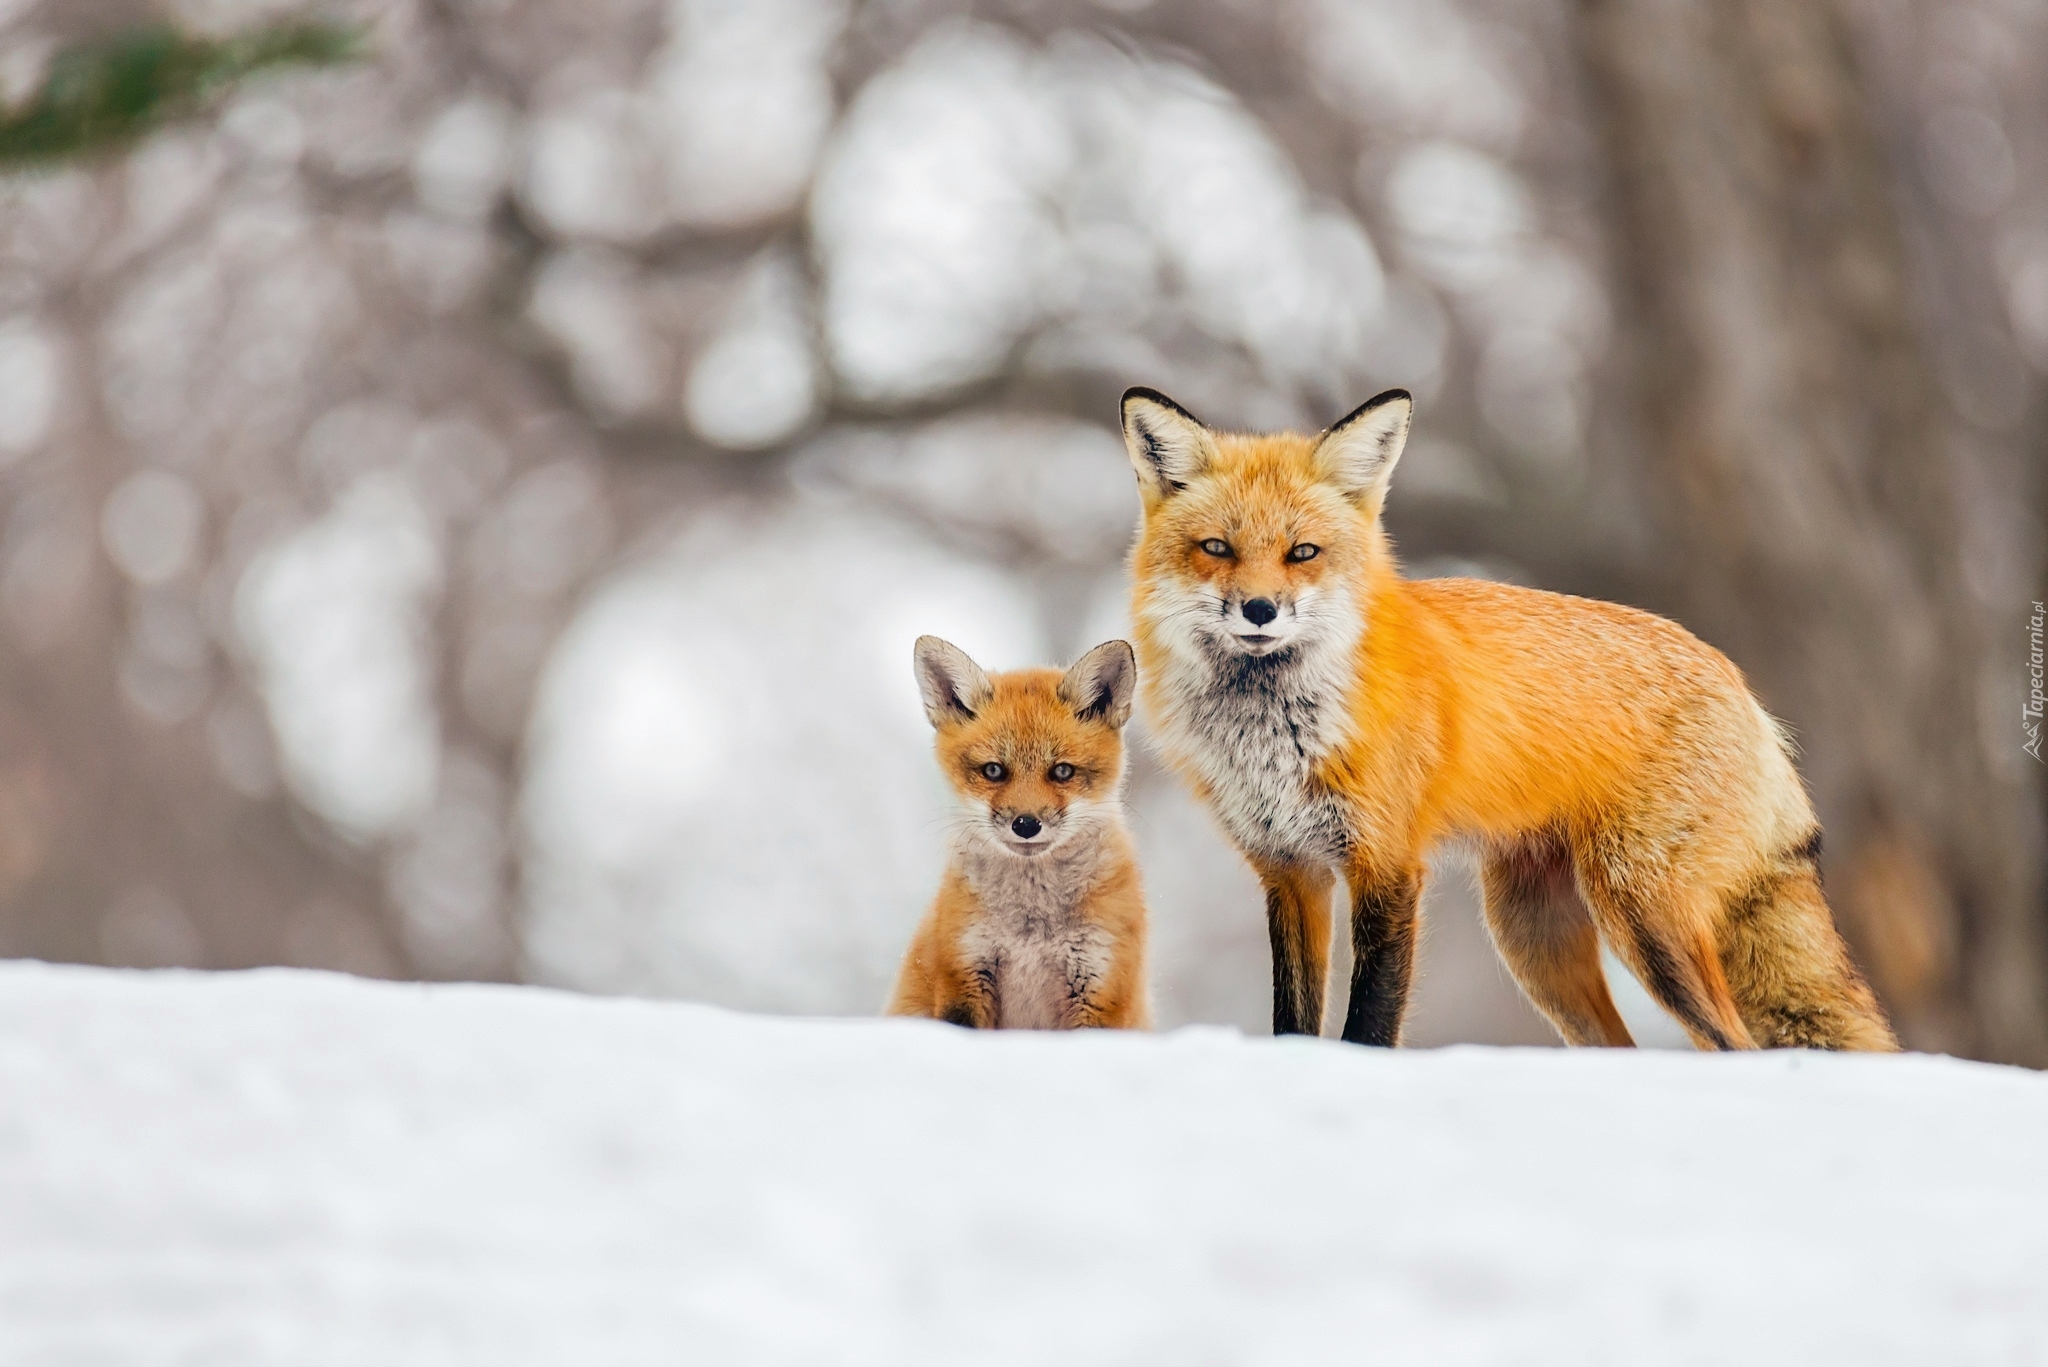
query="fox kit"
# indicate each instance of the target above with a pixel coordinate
(1616, 777)
(1040, 921)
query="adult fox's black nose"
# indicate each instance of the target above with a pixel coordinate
(1259, 611)
(1026, 826)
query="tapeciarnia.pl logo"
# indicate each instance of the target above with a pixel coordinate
(2030, 714)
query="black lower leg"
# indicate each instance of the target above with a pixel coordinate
(1383, 959)
(1665, 978)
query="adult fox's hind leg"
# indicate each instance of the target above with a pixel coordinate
(1664, 931)
(1543, 933)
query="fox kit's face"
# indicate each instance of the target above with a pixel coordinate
(1257, 546)
(1035, 757)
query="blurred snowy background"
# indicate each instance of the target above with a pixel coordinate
(465, 513)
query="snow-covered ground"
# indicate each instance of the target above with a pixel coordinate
(293, 1168)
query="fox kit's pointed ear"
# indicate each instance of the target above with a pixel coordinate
(953, 686)
(1358, 453)
(1100, 684)
(1168, 445)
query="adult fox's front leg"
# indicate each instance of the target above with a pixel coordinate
(1298, 922)
(1383, 925)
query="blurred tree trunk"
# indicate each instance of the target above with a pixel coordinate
(1798, 465)
(120, 842)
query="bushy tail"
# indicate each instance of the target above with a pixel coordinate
(1788, 970)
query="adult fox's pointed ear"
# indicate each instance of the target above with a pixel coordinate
(1168, 445)
(1360, 450)
(953, 686)
(1100, 684)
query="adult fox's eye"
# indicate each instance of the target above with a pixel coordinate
(1216, 546)
(1062, 771)
(1304, 552)
(993, 772)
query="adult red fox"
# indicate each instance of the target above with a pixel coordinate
(1615, 775)
(1040, 920)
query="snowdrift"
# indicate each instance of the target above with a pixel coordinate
(293, 1168)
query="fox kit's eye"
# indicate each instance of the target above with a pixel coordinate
(994, 772)
(1217, 547)
(1062, 771)
(1304, 552)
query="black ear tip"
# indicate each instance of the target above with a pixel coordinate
(1150, 395)
(1373, 404)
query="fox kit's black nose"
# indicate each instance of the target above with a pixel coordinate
(1259, 611)
(1026, 826)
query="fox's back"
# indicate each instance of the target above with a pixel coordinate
(1553, 705)
(1630, 667)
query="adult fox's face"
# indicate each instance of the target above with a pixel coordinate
(1257, 546)
(1035, 757)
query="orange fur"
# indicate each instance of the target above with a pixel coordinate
(1616, 775)
(1048, 931)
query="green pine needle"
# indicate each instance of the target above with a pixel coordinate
(100, 97)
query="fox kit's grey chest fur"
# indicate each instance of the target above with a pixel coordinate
(1254, 730)
(1039, 955)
